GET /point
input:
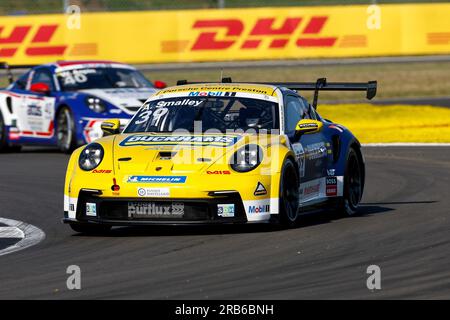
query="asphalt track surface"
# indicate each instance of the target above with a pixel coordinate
(403, 227)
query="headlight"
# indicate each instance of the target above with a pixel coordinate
(95, 104)
(91, 156)
(246, 158)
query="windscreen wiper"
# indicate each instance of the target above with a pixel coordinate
(199, 114)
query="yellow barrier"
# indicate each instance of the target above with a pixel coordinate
(229, 34)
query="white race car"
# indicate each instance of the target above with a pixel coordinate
(63, 104)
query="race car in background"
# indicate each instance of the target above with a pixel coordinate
(218, 153)
(63, 104)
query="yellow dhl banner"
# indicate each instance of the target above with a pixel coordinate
(228, 34)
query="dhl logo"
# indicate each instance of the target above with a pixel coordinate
(221, 34)
(36, 41)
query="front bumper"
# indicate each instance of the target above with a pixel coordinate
(115, 211)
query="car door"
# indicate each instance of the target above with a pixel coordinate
(36, 115)
(311, 150)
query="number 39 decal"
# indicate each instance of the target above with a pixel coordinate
(157, 115)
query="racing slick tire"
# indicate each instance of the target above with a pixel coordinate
(90, 229)
(353, 184)
(289, 196)
(65, 131)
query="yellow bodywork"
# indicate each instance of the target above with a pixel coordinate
(202, 177)
(204, 167)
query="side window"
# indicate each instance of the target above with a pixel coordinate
(305, 107)
(294, 111)
(45, 76)
(310, 112)
(21, 82)
(313, 114)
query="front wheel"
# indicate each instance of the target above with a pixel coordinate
(289, 196)
(65, 131)
(90, 229)
(353, 184)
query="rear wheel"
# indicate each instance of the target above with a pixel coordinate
(289, 197)
(65, 131)
(90, 229)
(353, 184)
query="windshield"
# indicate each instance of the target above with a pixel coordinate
(101, 78)
(205, 113)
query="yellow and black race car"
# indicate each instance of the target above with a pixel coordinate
(208, 153)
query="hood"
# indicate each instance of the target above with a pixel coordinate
(127, 99)
(167, 154)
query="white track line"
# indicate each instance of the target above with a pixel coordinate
(31, 235)
(406, 144)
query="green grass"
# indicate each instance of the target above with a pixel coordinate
(395, 80)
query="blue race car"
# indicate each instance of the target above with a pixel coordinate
(63, 104)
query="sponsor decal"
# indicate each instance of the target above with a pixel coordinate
(280, 31)
(300, 156)
(218, 172)
(331, 172)
(156, 179)
(197, 140)
(153, 192)
(41, 34)
(225, 90)
(101, 171)
(331, 186)
(211, 94)
(308, 125)
(34, 110)
(155, 210)
(91, 209)
(71, 207)
(257, 33)
(314, 189)
(260, 190)
(316, 151)
(259, 209)
(225, 210)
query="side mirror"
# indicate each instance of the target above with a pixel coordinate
(40, 87)
(160, 84)
(110, 127)
(307, 126)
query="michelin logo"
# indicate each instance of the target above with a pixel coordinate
(156, 179)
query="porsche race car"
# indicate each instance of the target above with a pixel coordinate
(218, 153)
(63, 104)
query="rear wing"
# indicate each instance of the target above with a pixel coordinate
(320, 85)
(8, 68)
